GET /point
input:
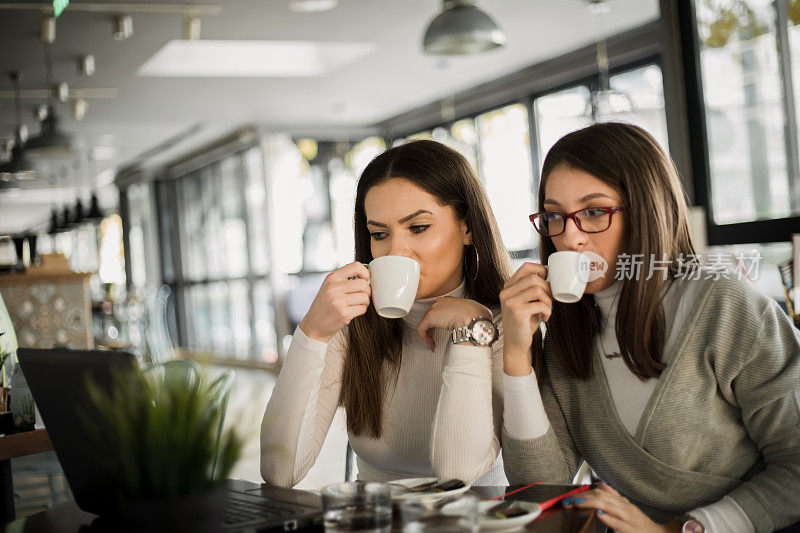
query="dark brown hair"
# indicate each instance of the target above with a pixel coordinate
(373, 340)
(656, 226)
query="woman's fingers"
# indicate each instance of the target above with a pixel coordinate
(356, 310)
(527, 269)
(355, 285)
(611, 505)
(614, 522)
(356, 298)
(608, 488)
(535, 293)
(351, 270)
(425, 329)
(523, 284)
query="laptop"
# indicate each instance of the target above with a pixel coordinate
(56, 378)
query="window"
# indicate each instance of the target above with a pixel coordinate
(498, 142)
(746, 54)
(215, 257)
(569, 109)
(507, 174)
(558, 114)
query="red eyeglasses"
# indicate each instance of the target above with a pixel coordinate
(588, 220)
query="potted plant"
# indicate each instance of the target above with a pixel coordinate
(170, 457)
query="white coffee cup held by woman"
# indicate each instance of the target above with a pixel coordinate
(394, 280)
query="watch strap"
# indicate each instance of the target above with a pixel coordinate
(461, 334)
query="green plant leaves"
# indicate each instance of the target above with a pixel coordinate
(158, 437)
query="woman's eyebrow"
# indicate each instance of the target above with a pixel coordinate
(402, 220)
(584, 199)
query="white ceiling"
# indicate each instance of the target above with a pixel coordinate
(392, 79)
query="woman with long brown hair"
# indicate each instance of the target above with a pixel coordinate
(679, 386)
(401, 381)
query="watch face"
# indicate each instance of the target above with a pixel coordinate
(483, 332)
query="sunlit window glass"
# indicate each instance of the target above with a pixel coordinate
(255, 195)
(793, 21)
(291, 187)
(645, 89)
(560, 113)
(506, 172)
(462, 137)
(344, 178)
(744, 113)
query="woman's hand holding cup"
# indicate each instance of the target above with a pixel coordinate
(526, 301)
(344, 295)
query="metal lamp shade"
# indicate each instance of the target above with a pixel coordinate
(63, 225)
(51, 143)
(462, 29)
(94, 214)
(55, 223)
(77, 216)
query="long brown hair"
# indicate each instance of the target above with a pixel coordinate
(630, 160)
(374, 340)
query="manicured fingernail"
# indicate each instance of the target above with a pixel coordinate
(579, 500)
(600, 511)
(567, 501)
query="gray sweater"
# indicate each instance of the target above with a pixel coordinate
(723, 419)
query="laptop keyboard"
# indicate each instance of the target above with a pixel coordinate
(241, 512)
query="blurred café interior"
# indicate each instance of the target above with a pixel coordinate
(177, 178)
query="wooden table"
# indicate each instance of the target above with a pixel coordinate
(11, 447)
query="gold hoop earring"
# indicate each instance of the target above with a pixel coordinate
(477, 264)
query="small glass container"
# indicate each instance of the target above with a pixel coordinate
(357, 506)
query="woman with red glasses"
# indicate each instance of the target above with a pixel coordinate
(682, 392)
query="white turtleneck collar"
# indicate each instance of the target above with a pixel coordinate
(607, 300)
(420, 307)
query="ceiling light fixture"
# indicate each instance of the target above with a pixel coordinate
(86, 65)
(605, 103)
(79, 107)
(47, 29)
(598, 6)
(461, 29)
(51, 143)
(191, 28)
(312, 6)
(123, 27)
(18, 167)
(62, 91)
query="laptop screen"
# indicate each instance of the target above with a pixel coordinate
(57, 380)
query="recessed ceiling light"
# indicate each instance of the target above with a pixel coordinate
(180, 58)
(312, 6)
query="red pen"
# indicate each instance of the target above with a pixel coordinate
(554, 501)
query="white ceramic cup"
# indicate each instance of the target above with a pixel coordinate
(394, 281)
(567, 274)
